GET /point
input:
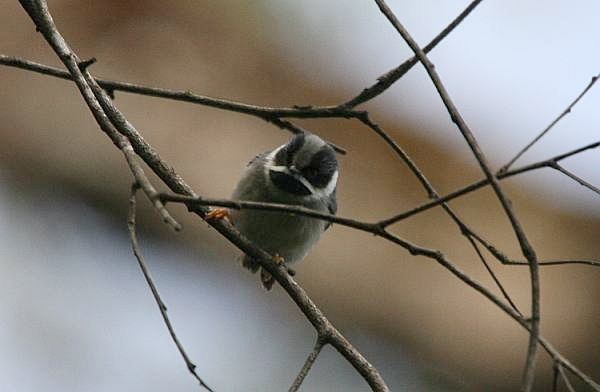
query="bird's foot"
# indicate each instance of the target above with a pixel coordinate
(218, 214)
(266, 279)
(265, 276)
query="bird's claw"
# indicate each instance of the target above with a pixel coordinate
(218, 214)
(278, 259)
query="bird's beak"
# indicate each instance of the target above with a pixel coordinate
(290, 179)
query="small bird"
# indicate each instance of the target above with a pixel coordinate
(303, 172)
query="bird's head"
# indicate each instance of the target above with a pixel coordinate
(305, 166)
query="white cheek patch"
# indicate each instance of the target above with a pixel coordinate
(269, 160)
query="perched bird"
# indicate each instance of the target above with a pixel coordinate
(302, 172)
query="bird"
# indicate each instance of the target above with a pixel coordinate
(302, 172)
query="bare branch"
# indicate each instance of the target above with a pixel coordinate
(131, 224)
(484, 182)
(269, 114)
(295, 129)
(563, 376)
(310, 360)
(525, 323)
(390, 77)
(373, 228)
(493, 275)
(307, 111)
(254, 205)
(551, 125)
(594, 263)
(555, 376)
(145, 184)
(526, 248)
(581, 181)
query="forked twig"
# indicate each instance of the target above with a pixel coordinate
(131, 225)
(550, 126)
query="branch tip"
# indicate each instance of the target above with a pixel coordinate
(84, 64)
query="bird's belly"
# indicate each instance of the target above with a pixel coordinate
(289, 236)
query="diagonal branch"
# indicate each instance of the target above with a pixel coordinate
(465, 230)
(492, 274)
(484, 182)
(563, 376)
(390, 77)
(144, 183)
(310, 360)
(576, 178)
(526, 248)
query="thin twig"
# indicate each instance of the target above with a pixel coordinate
(525, 323)
(526, 248)
(298, 111)
(493, 275)
(38, 11)
(578, 179)
(369, 227)
(465, 230)
(310, 360)
(269, 114)
(255, 205)
(131, 224)
(594, 263)
(148, 188)
(507, 261)
(390, 77)
(551, 125)
(555, 376)
(295, 129)
(484, 182)
(563, 376)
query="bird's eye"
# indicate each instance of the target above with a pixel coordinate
(310, 172)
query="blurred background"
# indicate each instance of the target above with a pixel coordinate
(76, 312)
